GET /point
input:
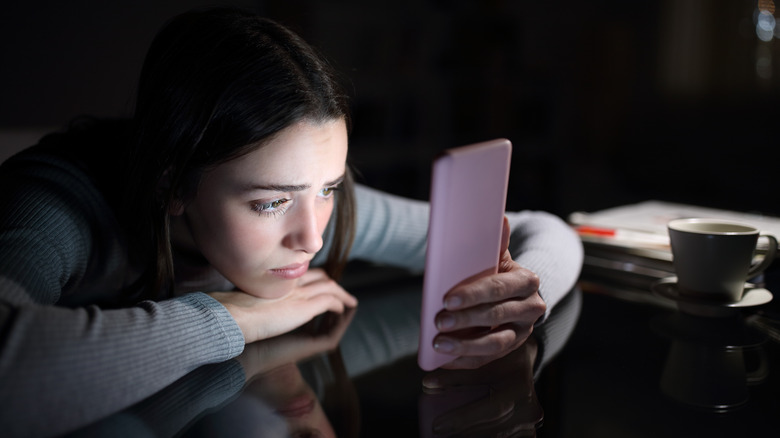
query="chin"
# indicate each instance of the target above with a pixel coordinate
(272, 291)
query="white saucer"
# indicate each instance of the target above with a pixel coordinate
(753, 296)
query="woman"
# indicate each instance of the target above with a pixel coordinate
(114, 284)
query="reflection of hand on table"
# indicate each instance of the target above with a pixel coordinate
(321, 335)
(277, 400)
(497, 399)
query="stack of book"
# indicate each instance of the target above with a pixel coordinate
(627, 247)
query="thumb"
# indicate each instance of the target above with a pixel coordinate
(504, 237)
(505, 261)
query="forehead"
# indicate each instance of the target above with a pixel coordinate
(299, 153)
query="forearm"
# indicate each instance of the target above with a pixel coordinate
(390, 230)
(557, 329)
(169, 411)
(385, 328)
(73, 366)
(393, 230)
(547, 246)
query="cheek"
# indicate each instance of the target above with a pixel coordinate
(248, 238)
(231, 238)
(323, 216)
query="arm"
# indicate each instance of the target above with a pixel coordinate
(72, 365)
(541, 268)
(547, 246)
(393, 230)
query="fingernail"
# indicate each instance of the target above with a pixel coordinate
(444, 346)
(445, 322)
(453, 302)
(431, 382)
(442, 427)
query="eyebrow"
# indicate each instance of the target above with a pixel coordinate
(291, 187)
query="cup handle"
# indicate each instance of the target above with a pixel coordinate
(768, 257)
(761, 372)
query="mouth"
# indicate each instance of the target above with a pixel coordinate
(290, 272)
(298, 407)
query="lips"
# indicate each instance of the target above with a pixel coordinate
(290, 272)
(298, 407)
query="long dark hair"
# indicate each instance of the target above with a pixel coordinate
(215, 85)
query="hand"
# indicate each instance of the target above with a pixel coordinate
(498, 399)
(487, 318)
(261, 318)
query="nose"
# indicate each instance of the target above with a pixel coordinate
(304, 233)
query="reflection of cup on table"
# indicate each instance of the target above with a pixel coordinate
(710, 377)
(711, 363)
(713, 258)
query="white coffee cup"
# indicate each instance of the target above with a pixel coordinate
(713, 258)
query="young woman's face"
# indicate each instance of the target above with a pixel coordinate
(259, 219)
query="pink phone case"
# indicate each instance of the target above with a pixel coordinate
(468, 200)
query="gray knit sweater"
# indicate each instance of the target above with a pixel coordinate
(69, 356)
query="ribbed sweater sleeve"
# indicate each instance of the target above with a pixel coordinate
(63, 365)
(546, 245)
(168, 412)
(393, 230)
(390, 229)
(72, 366)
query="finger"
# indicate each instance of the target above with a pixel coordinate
(444, 378)
(296, 313)
(477, 351)
(471, 362)
(520, 311)
(501, 339)
(518, 283)
(504, 237)
(339, 295)
(319, 285)
(332, 323)
(495, 288)
(497, 373)
(319, 304)
(487, 409)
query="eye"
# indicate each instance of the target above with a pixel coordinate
(271, 208)
(328, 192)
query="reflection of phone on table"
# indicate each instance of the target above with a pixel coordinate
(468, 199)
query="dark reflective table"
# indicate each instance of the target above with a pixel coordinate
(600, 366)
(639, 365)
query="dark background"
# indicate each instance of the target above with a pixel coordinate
(606, 102)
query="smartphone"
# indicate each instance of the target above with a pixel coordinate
(468, 201)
